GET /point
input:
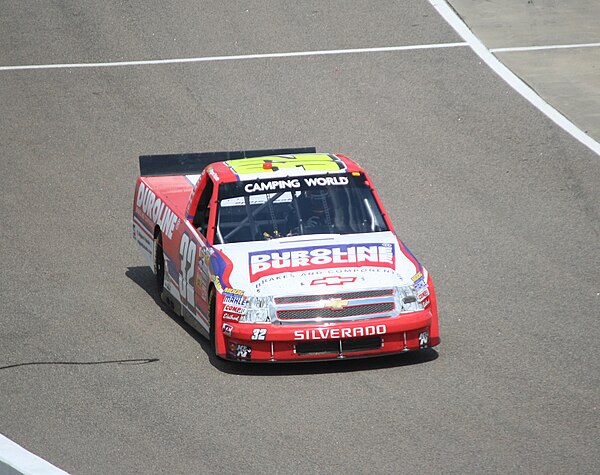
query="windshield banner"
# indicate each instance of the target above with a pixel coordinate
(294, 183)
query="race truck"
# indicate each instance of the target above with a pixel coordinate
(281, 255)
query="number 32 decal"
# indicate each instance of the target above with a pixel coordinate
(259, 333)
(187, 254)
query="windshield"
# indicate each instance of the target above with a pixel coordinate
(270, 209)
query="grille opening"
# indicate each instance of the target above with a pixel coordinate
(316, 347)
(333, 346)
(347, 295)
(361, 344)
(351, 311)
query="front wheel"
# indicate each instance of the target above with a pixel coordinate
(212, 304)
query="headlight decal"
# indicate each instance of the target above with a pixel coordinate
(406, 299)
(258, 309)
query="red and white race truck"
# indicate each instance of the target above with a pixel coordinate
(281, 255)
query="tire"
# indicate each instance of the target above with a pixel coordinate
(159, 265)
(212, 304)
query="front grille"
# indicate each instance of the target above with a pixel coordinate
(335, 346)
(348, 295)
(354, 311)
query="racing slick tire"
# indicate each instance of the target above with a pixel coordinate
(212, 304)
(159, 265)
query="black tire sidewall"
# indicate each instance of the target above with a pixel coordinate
(159, 265)
(212, 310)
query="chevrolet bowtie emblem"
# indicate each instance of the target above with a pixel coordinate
(333, 280)
(335, 304)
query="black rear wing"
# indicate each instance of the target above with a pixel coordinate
(194, 163)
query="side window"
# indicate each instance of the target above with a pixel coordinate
(203, 210)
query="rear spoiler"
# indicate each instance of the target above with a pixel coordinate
(194, 163)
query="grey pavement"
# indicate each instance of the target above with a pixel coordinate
(500, 204)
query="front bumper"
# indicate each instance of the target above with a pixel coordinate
(329, 341)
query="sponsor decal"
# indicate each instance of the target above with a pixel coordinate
(227, 329)
(266, 263)
(419, 281)
(326, 181)
(142, 238)
(233, 296)
(317, 162)
(217, 281)
(333, 333)
(155, 209)
(239, 309)
(169, 287)
(204, 259)
(293, 183)
(305, 274)
(333, 280)
(232, 291)
(234, 301)
(423, 294)
(213, 174)
(240, 352)
(272, 185)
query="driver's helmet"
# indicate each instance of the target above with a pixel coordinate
(316, 200)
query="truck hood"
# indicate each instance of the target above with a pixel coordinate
(318, 264)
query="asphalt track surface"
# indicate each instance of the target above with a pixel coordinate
(499, 203)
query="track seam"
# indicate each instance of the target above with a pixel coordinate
(543, 47)
(454, 20)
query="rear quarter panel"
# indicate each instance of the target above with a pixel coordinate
(159, 202)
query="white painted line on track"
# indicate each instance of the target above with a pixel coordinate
(23, 461)
(511, 78)
(540, 48)
(207, 59)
